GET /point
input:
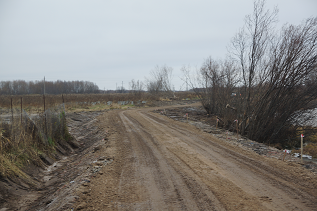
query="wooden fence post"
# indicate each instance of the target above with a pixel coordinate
(11, 112)
(284, 154)
(237, 129)
(301, 147)
(21, 111)
(45, 129)
(44, 102)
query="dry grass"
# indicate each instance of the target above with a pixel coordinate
(35, 103)
(9, 168)
(310, 140)
(309, 149)
(16, 150)
(20, 144)
(74, 107)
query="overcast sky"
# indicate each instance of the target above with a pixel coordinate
(110, 41)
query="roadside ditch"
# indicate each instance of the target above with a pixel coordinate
(53, 187)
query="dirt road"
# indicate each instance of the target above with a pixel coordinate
(162, 164)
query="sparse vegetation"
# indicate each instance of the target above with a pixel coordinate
(267, 83)
(34, 103)
(25, 141)
(160, 82)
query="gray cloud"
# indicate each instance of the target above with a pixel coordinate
(112, 41)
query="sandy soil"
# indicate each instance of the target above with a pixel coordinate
(199, 118)
(162, 164)
(139, 160)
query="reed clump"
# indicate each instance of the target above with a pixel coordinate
(28, 140)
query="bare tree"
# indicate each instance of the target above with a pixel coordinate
(271, 82)
(160, 81)
(291, 81)
(210, 71)
(214, 83)
(276, 71)
(136, 88)
(250, 47)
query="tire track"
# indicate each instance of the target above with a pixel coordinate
(265, 173)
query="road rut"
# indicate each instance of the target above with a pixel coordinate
(161, 164)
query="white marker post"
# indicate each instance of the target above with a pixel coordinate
(237, 129)
(301, 147)
(284, 154)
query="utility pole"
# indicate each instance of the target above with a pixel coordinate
(116, 87)
(122, 87)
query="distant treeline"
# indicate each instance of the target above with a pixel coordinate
(21, 87)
